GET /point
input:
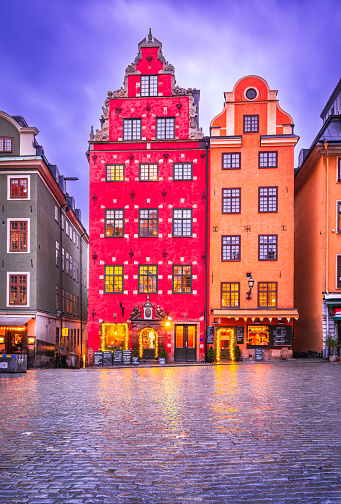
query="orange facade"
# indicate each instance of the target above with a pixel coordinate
(252, 224)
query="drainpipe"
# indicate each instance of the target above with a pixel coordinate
(207, 144)
(327, 237)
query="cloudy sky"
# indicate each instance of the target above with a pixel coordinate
(60, 57)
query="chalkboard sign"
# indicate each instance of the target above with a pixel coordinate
(162, 361)
(209, 335)
(118, 359)
(136, 360)
(258, 354)
(281, 335)
(98, 358)
(126, 357)
(107, 358)
(240, 335)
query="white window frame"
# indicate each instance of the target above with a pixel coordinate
(27, 273)
(18, 175)
(17, 219)
(56, 213)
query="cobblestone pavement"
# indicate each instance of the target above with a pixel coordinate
(244, 433)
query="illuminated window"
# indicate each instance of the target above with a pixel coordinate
(149, 85)
(231, 200)
(267, 160)
(165, 128)
(148, 278)
(19, 187)
(251, 123)
(182, 279)
(230, 294)
(267, 247)
(182, 222)
(257, 335)
(148, 222)
(267, 294)
(113, 279)
(115, 173)
(267, 199)
(149, 172)
(114, 223)
(18, 289)
(131, 129)
(230, 248)
(231, 161)
(5, 144)
(182, 171)
(18, 236)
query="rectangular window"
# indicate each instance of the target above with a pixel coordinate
(230, 248)
(267, 199)
(251, 123)
(78, 335)
(147, 279)
(67, 263)
(56, 213)
(18, 236)
(71, 266)
(18, 289)
(267, 247)
(74, 237)
(63, 222)
(115, 173)
(231, 161)
(338, 273)
(57, 254)
(267, 159)
(257, 335)
(165, 128)
(5, 144)
(339, 169)
(67, 228)
(149, 172)
(77, 271)
(182, 279)
(182, 222)
(63, 258)
(148, 222)
(231, 200)
(267, 294)
(70, 232)
(182, 171)
(77, 240)
(149, 85)
(57, 297)
(74, 269)
(19, 187)
(339, 216)
(113, 279)
(114, 223)
(131, 129)
(230, 294)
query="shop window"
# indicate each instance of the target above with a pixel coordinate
(147, 279)
(19, 188)
(149, 172)
(165, 128)
(231, 161)
(231, 200)
(115, 173)
(251, 123)
(267, 294)
(114, 336)
(267, 159)
(182, 279)
(257, 335)
(182, 222)
(182, 171)
(230, 294)
(113, 279)
(18, 236)
(267, 247)
(230, 248)
(114, 223)
(18, 289)
(149, 85)
(131, 129)
(148, 223)
(267, 199)
(5, 144)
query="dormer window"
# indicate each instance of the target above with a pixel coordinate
(149, 85)
(5, 144)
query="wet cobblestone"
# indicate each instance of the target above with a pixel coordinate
(244, 433)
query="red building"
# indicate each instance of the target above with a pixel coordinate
(147, 215)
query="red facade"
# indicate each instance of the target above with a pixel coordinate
(147, 216)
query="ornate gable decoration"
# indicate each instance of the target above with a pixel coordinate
(195, 133)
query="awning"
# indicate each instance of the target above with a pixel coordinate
(7, 320)
(288, 313)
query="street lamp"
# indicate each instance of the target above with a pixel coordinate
(251, 283)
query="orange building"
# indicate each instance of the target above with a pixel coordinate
(251, 284)
(318, 234)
